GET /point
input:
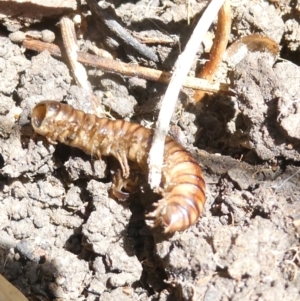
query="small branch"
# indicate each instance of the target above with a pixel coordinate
(9, 292)
(120, 31)
(113, 66)
(218, 48)
(182, 67)
(70, 43)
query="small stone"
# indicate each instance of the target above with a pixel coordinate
(17, 36)
(48, 36)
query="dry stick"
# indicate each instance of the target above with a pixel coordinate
(182, 67)
(70, 43)
(71, 48)
(120, 32)
(113, 66)
(8, 292)
(218, 48)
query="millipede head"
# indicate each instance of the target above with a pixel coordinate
(40, 112)
(38, 115)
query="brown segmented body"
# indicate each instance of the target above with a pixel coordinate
(182, 186)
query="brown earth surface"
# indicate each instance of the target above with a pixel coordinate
(61, 235)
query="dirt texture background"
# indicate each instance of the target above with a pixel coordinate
(62, 237)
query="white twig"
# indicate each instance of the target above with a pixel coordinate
(182, 67)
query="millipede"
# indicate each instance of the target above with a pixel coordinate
(182, 185)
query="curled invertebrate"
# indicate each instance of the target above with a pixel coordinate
(251, 43)
(182, 186)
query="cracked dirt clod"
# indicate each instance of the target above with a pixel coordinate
(258, 104)
(102, 231)
(12, 63)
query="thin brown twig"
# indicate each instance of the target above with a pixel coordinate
(113, 66)
(218, 47)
